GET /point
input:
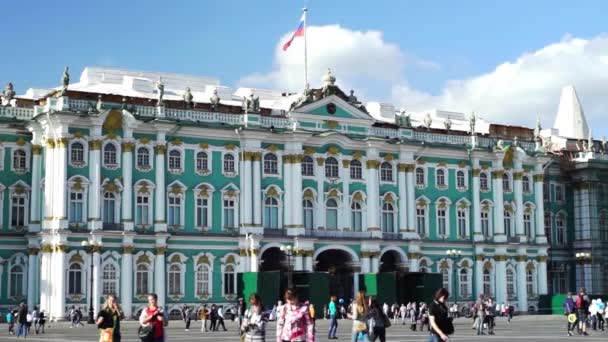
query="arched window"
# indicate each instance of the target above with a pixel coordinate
(441, 222)
(386, 172)
(483, 181)
(270, 164)
(530, 282)
(228, 163)
(331, 214)
(441, 178)
(109, 279)
(75, 279)
(487, 290)
(229, 280)
(331, 168)
(109, 155)
(462, 222)
(464, 283)
(142, 210)
(460, 180)
(485, 223)
(175, 279)
(201, 162)
(18, 210)
(420, 176)
(510, 286)
(445, 278)
(356, 170)
(525, 184)
(356, 216)
(202, 280)
(388, 218)
(506, 183)
(19, 160)
(142, 280)
(174, 208)
(77, 153)
(421, 221)
(175, 160)
(143, 158)
(16, 279)
(528, 225)
(109, 206)
(508, 222)
(560, 229)
(308, 166)
(309, 213)
(271, 213)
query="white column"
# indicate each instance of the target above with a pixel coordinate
(126, 275)
(355, 282)
(96, 279)
(519, 202)
(345, 212)
(159, 274)
(246, 198)
(403, 198)
(540, 205)
(411, 198)
(34, 225)
(501, 276)
(372, 186)
(60, 181)
(477, 233)
(94, 205)
(288, 195)
(160, 224)
(127, 183)
(49, 172)
(296, 202)
(375, 262)
(542, 275)
(365, 263)
(320, 179)
(257, 191)
(32, 261)
(253, 260)
(57, 274)
(308, 261)
(479, 275)
(499, 209)
(299, 261)
(45, 282)
(522, 290)
(414, 262)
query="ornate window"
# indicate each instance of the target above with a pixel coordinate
(202, 163)
(548, 227)
(356, 216)
(508, 222)
(142, 280)
(441, 222)
(546, 192)
(559, 194)
(530, 282)
(461, 216)
(525, 184)
(175, 160)
(175, 279)
(420, 177)
(229, 212)
(309, 213)
(506, 183)
(487, 290)
(75, 279)
(308, 166)
(528, 225)
(229, 164)
(331, 208)
(271, 164)
(485, 223)
(356, 170)
(271, 213)
(421, 218)
(19, 160)
(460, 180)
(423, 267)
(110, 153)
(109, 280)
(18, 210)
(560, 228)
(143, 210)
(203, 280)
(440, 178)
(483, 181)
(77, 153)
(229, 280)
(143, 158)
(76, 206)
(202, 212)
(445, 278)
(464, 283)
(331, 168)
(17, 281)
(109, 207)
(386, 172)
(510, 284)
(174, 210)
(388, 218)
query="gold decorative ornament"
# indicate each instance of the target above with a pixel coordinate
(203, 146)
(61, 248)
(333, 150)
(465, 264)
(95, 145)
(498, 174)
(444, 264)
(487, 266)
(160, 250)
(479, 257)
(420, 162)
(128, 146)
(421, 203)
(20, 141)
(231, 193)
(542, 258)
(442, 164)
(203, 191)
(518, 175)
(36, 150)
(320, 161)
(331, 124)
(230, 147)
(176, 142)
(539, 178)
(46, 248)
(113, 120)
(500, 258)
(111, 135)
(77, 186)
(160, 149)
(462, 164)
(110, 187)
(272, 148)
(128, 249)
(388, 198)
(309, 194)
(33, 250)
(388, 157)
(62, 142)
(373, 164)
(19, 189)
(530, 267)
(175, 259)
(476, 172)
(78, 134)
(144, 188)
(309, 151)
(177, 190)
(345, 163)
(144, 140)
(203, 259)
(414, 255)
(521, 258)
(143, 259)
(357, 155)
(272, 192)
(332, 193)
(230, 259)
(76, 258)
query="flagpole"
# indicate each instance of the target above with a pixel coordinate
(305, 52)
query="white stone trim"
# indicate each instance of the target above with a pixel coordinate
(224, 191)
(279, 156)
(151, 192)
(116, 144)
(236, 164)
(448, 203)
(19, 259)
(209, 153)
(467, 218)
(182, 268)
(151, 156)
(465, 171)
(354, 256)
(26, 206)
(426, 208)
(236, 268)
(446, 178)
(26, 150)
(152, 259)
(85, 153)
(211, 259)
(394, 172)
(83, 273)
(280, 204)
(395, 205)
(209, 197)
(182, 157)
(425, 176)
(85, 197)
(2, 150)
(182, 206)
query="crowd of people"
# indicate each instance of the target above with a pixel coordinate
(583, 313)
(24, 320)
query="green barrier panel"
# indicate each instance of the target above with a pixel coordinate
(387, 288)
(369, 283)
(319, 291)
(265, 284)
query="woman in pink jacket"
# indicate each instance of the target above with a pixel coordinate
(293, 320)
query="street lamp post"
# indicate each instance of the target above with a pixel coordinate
(90, 246)
(454, 255)
(583, 258)
(288, 250)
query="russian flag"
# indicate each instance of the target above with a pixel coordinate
(298, 33)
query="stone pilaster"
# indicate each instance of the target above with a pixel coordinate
(539, 220)
(477, 233)
(499, 209)
(94, 205)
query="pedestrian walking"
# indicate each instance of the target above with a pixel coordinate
(570, 311)
(213, 318)
(377, 322)
(10, 319)
(441, 325)
(293, 320)
(402, 313)
(601, 307)
(73, 316)
(108, 320)
(189, 315)
(424, 317)
(481, 314)
(29, 320)
(240, 311)
(490, 314)
(151, 320)
(412, 314)
(203, 315)
(36, 319)
(333, 316)
(253, 324)
(22, 320)
(582, 307)
(41, 322)
(220, 318)
(359, 316)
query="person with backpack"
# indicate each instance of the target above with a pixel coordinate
(582, 307)
(151, 322)
(253, 323)
(441, 325)
(377, 321)
(570, 312)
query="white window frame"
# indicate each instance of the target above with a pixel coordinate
(278, 161)
(489, 214)
(312, 216)
(151, 158)
(353, 213)
(181, 264)
(510, 229)
(447, 217)
(312, 167)
(390, 171)
(182, 156)
(116, 279)
(559, 193)
(118, 155)
(513, 294)
(465, 213)
(359, 167)
(326, 167)
(150, 280)
(446, 176)
(82, 279)
(150, 194)
(389, 212)
(488, 177)
(26, 160)
(85, 153)
(180, 208)
(209, 208)
(426, 208)
(530, 190)
(236, 165)
(337, 209)
(466, 272)
(26, 205)
(209, 157)
(234, 281)
(561, 216)
(465, 177)
(211, 259)
(279, 209)
(509, 179)
(18, 260)
(424, 177)
(236, 211)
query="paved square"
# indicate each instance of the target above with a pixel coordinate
(523, 328)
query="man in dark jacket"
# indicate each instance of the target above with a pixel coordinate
(582, 306)
(22, 320)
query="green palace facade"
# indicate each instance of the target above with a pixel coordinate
(174, 184)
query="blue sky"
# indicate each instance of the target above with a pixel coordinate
(439, 40)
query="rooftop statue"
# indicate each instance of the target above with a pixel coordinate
(604, 144)
(352, 98)
(500, 145)
(428, 121)
(590, 143)
(472, 120)
(402, 119)
(8, 94)
(188, 97)
(329, 86)
(215, 100)
(251, 104)
(306, 97)
(448, 124)
(99, 102)
(161, 92)
(65, 80)
(537, 130)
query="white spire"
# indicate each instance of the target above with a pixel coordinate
(570, 120)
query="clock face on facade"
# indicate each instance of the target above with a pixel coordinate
(331, 108)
